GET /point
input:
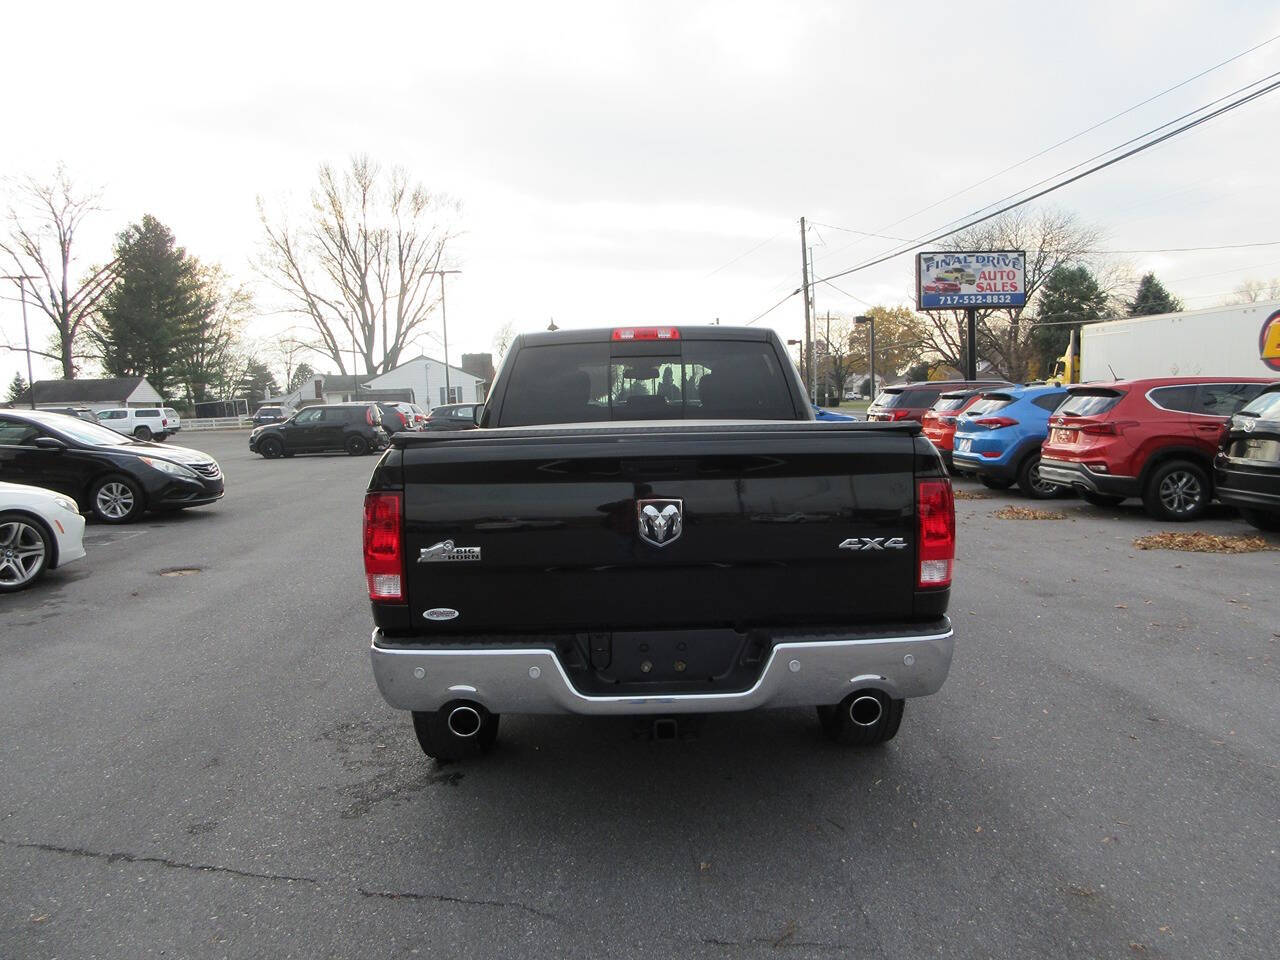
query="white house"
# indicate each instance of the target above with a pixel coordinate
(424, 377)
(97, 395)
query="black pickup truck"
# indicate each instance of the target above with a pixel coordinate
(650, 521)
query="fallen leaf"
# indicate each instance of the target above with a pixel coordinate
(704, 866)
(1122, 606)
(1200, 542)
(977, 830)
(1137, 948)
(1026, 513)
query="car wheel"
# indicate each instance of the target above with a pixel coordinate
(457, 731)
(25, 550)
(1032, 484)
(1261, 519)
(862, 718)
(357, 446)
(1177, 490)
(1100, 499)
(270, 447)
(116, 499)
(142, 433)
(994, 483)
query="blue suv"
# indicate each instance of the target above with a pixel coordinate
(999, 437)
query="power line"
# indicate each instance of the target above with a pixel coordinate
(744, 255)
(1224, 246)
(1060, 143)
(761, 316)
(915, 245)
(1090, 129)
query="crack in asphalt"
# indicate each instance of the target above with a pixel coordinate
(121, 857)
(117, 856)
(777, 944)
(445, 898)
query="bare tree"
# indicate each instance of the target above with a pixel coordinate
(362, 266)
(42, 224)
(1052, 238)
(502, 340)
(1252, 291)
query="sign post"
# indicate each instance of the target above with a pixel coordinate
(960, 280)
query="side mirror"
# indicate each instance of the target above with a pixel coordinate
(477, 413)
(50, 443)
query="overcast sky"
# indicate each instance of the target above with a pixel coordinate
(611, 159)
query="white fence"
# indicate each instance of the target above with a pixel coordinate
(216, 423)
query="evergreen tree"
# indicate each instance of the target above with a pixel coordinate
(303, 375)
(1152, 297)
(156, 306)
(258, 383)
(17, 387)
(1070, 293)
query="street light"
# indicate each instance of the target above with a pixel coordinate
(21, 279)
(871, 349)
(444, 325)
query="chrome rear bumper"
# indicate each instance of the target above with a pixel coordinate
(805, 671)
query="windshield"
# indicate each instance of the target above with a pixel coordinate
(1266, 405)
(81, 431)
(947, 404)
(1091, 403)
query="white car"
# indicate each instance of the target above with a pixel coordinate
(39, 530)
(145, 423)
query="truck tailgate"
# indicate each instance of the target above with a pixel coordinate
(549, 533)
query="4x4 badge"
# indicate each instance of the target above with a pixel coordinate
(660, 521)
(874, 543)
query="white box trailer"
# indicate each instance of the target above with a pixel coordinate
(1236, 341)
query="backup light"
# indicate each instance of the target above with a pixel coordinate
(383, 546)
(936, 528)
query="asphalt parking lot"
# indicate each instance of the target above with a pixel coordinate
(199, 765)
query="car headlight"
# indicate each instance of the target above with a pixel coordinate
(166, 466)
(68, 505)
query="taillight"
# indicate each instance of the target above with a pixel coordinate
(646, 333)
(383, 546)
(936, 527)
(404, 421)
(995, 423)
(368, 415)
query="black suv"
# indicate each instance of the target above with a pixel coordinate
(353, 427)
(1248, 463)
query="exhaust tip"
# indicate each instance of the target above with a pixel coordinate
(463, 721)
(865, 710)
(666, 728)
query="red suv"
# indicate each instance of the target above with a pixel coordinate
(1153, 439)
(940, 420)
(910, 401)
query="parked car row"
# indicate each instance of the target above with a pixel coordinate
(1176, 443)
(55, 468)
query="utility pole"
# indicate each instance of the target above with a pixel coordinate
(871, 348)
(971, 360)
(444, 323)
(22, 279)
(804, 273)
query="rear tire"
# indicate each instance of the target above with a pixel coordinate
(838, 724)
(1261, 519)
(142, 433)
(1032, 484)
(356, 446)
(994, 483)
(270, 447)
(438, 741)
(1178, 490)
(1100, 499)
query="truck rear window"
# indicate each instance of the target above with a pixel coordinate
(583, 383)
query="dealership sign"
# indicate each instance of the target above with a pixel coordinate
(991, 278)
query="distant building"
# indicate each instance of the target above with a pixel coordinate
(422, 378)
(95, 394)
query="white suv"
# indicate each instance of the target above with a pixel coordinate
(145, 423)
